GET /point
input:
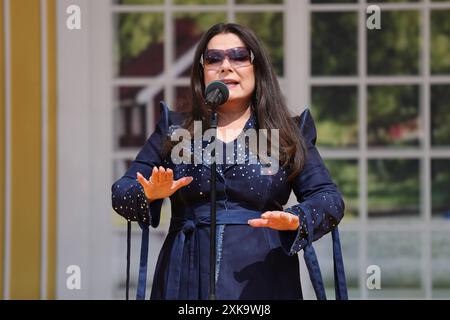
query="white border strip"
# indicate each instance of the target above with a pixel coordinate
(426, 205)
(44, 150)
(363, 161)
(7, 245)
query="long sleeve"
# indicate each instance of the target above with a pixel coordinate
(320, 205)
(128, 197)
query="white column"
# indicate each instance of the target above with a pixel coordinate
(84, 143)
(297, 70)
(101, 147)
(8, 179)
(296, 54)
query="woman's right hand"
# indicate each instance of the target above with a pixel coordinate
(161, 184)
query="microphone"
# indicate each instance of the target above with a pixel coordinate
(216, 94)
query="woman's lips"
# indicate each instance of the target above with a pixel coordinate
(231, 85)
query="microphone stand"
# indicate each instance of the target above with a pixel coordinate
(216, 94)
(212, 252)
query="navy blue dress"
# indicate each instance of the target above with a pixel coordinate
(251, 263)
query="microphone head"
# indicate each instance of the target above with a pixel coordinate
(216, 93)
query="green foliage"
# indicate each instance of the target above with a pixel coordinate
(440, 195)
(136, 31)
(202, 21)
(345, 174)
(394, 49)
(393, 186)
(389, 106)
(440, 115)
(333, 43)
(440, 42)
(335, 112)
(268, 26)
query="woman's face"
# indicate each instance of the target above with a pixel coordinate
(240, 80)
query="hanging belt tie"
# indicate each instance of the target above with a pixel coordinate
(142, 280)
(186, 235)
(313, 264)
(340, 284)
(127, 285)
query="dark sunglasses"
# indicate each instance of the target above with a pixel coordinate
(238, 57)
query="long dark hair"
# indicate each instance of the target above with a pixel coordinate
(267, 101)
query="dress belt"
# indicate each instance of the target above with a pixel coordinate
(185, 229)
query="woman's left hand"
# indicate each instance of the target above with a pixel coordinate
(278, 220)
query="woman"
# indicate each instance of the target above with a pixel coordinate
(257, 240)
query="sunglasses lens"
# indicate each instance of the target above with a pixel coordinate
(214, 57)
(239, 55)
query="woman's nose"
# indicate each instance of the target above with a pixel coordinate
(225, 64)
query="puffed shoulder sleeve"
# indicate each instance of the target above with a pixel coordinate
(320, 206)
(128, 197)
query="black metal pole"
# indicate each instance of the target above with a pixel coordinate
(212, 252)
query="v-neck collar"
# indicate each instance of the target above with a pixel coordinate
(251, 123)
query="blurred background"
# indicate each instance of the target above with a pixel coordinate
(77, 105)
